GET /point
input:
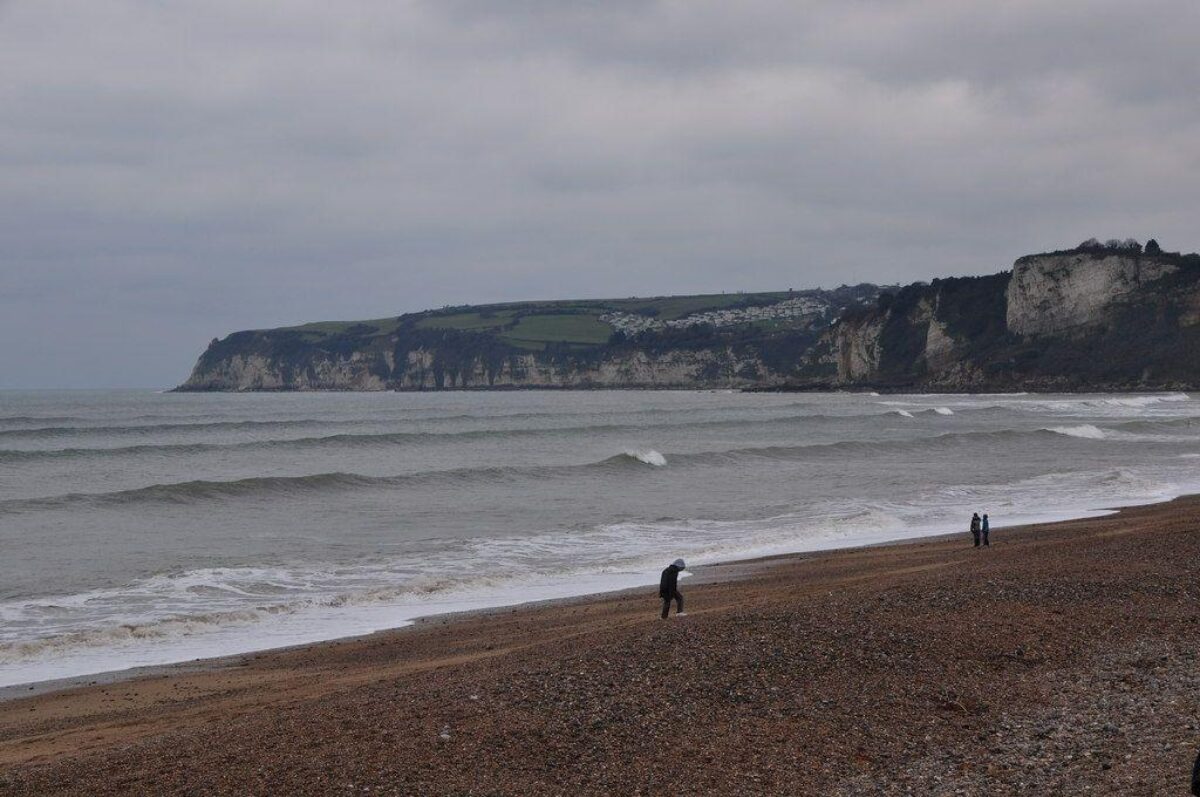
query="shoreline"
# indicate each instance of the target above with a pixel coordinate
(697, 576)
(862, 388)
(712, 573)
(1067, 648)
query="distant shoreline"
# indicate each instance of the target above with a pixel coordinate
(889, 390)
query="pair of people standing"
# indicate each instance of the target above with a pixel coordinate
(979, 528)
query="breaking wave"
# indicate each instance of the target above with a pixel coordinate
(105, 637)
(1133, 431)
(1139, 401)
(283, 486)
(75, 426)
(648, 457)
(204, 490)
(1086, 431)
(366, 439)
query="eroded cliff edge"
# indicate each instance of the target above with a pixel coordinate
(1093, 318)
(1103, 317)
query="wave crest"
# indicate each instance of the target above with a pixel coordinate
(648, 457)
(1086, 431)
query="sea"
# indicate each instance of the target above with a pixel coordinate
(143, 528)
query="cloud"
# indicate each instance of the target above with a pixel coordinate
(179, 171)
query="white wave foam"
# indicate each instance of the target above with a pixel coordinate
(1086, 431)
(1119, 406)
(1089, 431)
(1143, 401)
(1154, 438)
(649, 456)
(217, 611)
(209, 615)
(130, 633)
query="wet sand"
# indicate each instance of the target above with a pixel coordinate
(1064, 659)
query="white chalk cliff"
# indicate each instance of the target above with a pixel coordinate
(1056, 293)
(1090, 318)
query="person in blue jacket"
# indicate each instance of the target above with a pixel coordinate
(668, 588)
(983, 528)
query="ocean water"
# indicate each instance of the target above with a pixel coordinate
(142, 528)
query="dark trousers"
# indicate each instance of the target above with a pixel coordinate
(985, 539)
(975, 534)
(667, 604)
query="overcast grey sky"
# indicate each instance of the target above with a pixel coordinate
(177, 171)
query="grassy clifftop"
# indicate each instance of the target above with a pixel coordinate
(1133, 323)
(581, 324)
(737, 337)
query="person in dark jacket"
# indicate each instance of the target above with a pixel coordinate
(668, 588)
(975, 528)
(1196, 777)
(983, 528)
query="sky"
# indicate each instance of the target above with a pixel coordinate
(172, 172)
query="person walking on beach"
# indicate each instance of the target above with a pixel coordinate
(983, 527)
(668, 588)
(975, 528)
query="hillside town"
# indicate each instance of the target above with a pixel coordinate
(797, 307)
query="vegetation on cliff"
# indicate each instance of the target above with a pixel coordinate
(493, 345)
(1145, 336)
(1134, 317)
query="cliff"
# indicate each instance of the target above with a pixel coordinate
(1089, 318)
(1094, 317)
(430, 369)
(1050, 294)
(723, 340)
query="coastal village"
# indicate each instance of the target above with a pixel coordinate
(796, 307)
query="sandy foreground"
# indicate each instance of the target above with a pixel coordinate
(1063, 660)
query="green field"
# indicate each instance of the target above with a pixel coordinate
(532, 331)
(323, 328)
(576, 328)
(470, 322)
(533, 325)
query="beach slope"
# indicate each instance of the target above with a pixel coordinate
(1061, 660)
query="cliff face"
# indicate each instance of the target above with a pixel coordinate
(858, 348)
(1057, 293)
(253, 371)
(1095, 318)
(922, 335)
(721, 367)
(1072, 320)
(430, 369)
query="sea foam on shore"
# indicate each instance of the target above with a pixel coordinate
(227, 528)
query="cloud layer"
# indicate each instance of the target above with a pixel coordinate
(177, 171)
